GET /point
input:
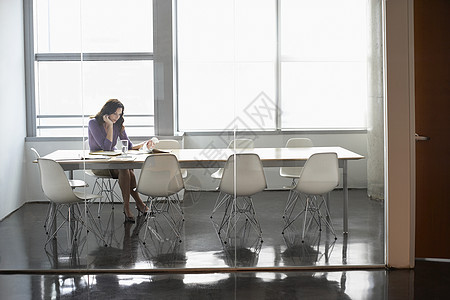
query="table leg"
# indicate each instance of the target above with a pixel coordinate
(54, 214)
(345, 188)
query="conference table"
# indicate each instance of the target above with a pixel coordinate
(71, 160)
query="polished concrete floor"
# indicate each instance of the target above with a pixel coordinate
(165, 241)
(429, 280)
(202, 266)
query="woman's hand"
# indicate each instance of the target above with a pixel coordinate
(150, 144)
(108, 121)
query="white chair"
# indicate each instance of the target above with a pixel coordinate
(161, 181)
(319, 176)
(169, 145)
(104, 185)
(74, 183)
(57, 189)
(236, 190)
(294, 172)
(234, 144)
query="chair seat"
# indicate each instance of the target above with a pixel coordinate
(291, 172)
(217, 174)
(91, 173)
(86, 196)
(77, 183)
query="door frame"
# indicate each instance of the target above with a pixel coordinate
(400, 142)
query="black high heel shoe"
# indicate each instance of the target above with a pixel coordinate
(143, 212)
(129, 219)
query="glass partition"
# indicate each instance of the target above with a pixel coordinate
(297, 78)
(260, 88)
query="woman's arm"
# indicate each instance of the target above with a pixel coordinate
(109, 127)
(98, 137)
(138, 146)
(147, 145)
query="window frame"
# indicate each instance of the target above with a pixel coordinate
(278, 101)
(30, 81)
(164, 57)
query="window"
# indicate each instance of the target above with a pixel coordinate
(86, 52)
(226, 62)
(306, 58)
(323, 64)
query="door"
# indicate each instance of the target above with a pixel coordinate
(432, 96)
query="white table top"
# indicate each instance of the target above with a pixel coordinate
(207, 157)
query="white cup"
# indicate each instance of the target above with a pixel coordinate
(124, 144)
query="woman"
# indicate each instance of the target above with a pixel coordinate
(104, 129)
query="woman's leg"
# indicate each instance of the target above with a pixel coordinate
(127, 183)
(124, 184)
(139, 203)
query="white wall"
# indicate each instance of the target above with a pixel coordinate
(12, 104)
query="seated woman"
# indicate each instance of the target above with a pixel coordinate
(103, 131)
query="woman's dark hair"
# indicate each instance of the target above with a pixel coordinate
(109, 108)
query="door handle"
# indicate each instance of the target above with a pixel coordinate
(421, 137)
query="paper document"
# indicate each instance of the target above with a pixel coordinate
(108, 153)
(154, 150)
(122, 158)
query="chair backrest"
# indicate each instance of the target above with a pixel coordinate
(54, 182)
(168, 144)
(299, 142)
(36, 154)
(160, 176)
(320, 174)
(241, 144)
(250, 177)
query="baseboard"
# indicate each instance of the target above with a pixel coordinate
(444, 260)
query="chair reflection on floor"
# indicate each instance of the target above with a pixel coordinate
(123, 251)
(237, 187)
(161, 181)
(111, 229)
(241, 251)
(310, 249)
(62, 256)
(240, 257)
(162, 247)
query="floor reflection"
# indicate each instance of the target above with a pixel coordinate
(62, 256)
(164, 240)
(123, 244)
(429, 280)
(316, 246)
(251, 285)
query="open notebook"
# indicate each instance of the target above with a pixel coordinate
(106, 153)
(155, 150)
